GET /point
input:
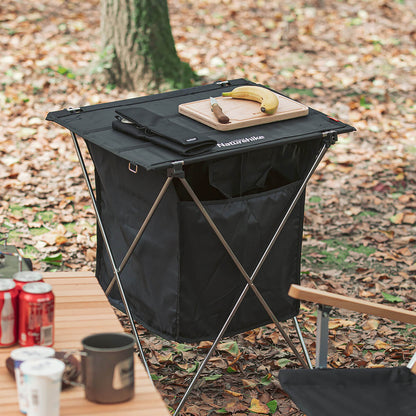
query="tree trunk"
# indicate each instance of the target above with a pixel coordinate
(138, 50)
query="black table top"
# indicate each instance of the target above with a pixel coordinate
(94, 124)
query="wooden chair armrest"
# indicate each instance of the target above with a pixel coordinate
(357, 305)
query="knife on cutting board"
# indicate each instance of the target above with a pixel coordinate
(217, 110)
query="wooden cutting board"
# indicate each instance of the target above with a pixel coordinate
(242, 113)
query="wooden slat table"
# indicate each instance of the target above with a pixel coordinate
(81, 308)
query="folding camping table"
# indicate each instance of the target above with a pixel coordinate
(185, 230)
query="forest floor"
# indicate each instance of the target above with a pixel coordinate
(352, 59)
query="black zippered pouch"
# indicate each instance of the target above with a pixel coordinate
(147, 125)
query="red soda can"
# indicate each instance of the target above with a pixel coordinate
(36, 315)
(8, 312)
(25, 277)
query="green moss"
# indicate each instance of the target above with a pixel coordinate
(16, 209)
(46, 216)
(38, 231)
(336, 255)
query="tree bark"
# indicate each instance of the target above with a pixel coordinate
(138, 49)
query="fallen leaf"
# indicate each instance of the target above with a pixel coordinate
(283, 362)
(230, 346)
(234, 407)
(164, 357)
(339, 323)
(397, 219)
(212, 377)
(205, 345)
(366, 294)
(251, 337)
(373, 365)
(405, 251)
(274, 337)
(60, 239)
(310, 327)
(381, 345)
(409, 218)
(371, 324)
(233, 393)
(249, 384)
(257, 407)
(349, 348)
(391, 298)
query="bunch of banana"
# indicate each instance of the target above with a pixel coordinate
(267, 99)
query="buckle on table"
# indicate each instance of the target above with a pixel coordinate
(223, 83)
(176, 170)
(330, 137)
(74, 109)
(133, 169)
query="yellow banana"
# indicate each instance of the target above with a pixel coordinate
(267, 99)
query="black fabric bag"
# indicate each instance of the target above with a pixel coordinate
(180, 281)
(347, 392)
(150, 126)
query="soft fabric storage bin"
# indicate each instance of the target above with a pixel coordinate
(180, 282)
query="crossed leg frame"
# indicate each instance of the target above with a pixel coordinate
(176, 171)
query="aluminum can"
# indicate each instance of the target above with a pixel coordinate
(36, 315)
(23, 278)
(8, 312)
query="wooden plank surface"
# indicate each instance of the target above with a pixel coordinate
(81, 309)
(353, 304)
(242, 113)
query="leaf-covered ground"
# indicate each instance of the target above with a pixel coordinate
(353, 59)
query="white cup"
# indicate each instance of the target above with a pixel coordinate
(43, 379)
(20, 355)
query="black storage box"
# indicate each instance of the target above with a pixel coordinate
(180, 282)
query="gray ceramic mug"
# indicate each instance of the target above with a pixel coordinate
(107, 363)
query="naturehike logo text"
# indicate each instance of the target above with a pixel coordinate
(236, 142)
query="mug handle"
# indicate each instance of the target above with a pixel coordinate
(64, 378)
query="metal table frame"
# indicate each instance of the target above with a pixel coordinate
(176, 171)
